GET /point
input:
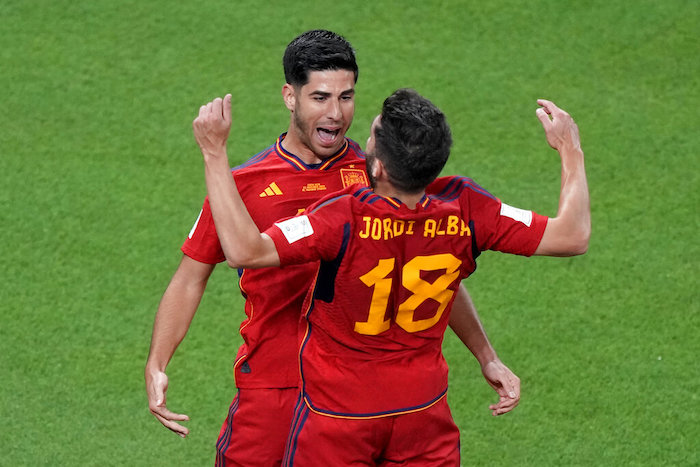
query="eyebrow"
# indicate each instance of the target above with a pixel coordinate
(350, 91)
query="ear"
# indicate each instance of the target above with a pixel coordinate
(289, 96)
(378, 170)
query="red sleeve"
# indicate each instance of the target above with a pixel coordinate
(501, 227)
(202, 243)
(316, 235)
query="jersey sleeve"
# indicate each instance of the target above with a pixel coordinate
(202, 243)
(501, 227)
(316, 235)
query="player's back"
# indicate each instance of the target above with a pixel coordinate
(387, 277)
(380, 306)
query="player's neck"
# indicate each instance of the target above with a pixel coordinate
(386, 189)
(293, 145)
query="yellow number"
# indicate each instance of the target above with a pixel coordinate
(376, 324)
(412, 281)
(423, 290)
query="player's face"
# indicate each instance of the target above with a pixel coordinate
(322, 111)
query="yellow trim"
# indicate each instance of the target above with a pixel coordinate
(346, 417)
(333, 159)
(280, 151)
(390, 201)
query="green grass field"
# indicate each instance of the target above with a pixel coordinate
(101, 182)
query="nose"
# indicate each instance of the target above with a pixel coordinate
(334, 110)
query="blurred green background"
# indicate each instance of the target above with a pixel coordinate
(102, 180)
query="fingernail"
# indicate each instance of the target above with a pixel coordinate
(511, 394)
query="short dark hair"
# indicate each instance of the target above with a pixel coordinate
(317, 50)
(412, 140)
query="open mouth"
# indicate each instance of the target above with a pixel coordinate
(327, 136)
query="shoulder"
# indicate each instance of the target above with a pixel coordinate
(262, 159)
(340, 200)
(455, 186)
(355, 149)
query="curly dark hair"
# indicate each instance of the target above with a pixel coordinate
(412, 140)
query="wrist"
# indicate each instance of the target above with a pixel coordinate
(486, 356)
(153, 367)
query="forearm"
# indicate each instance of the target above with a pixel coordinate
(240, 238)
(574, 200)
(465, 322)
(173, 318)
(569, 232)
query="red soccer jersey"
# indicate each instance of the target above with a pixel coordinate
(275, 184)
(386, 281)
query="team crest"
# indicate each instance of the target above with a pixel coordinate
(353, 176)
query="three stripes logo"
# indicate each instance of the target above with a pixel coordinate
(271, 190)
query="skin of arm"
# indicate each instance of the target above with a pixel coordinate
(241, 240)
(465, 323)
(173, 318)
(568, 233)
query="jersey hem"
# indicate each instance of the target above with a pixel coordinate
(366, 416)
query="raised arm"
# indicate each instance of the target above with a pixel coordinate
(568, 233)
(241, 240)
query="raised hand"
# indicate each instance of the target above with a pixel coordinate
(559, 128)
(212, 126)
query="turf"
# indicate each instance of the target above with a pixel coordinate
(101, 181)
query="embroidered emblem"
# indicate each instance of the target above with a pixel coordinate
(352, 176)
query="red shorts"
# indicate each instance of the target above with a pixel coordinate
(425, 438)
(256, 428)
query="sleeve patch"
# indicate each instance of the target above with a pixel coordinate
(194, 227)
(295, 228)
(516, 214)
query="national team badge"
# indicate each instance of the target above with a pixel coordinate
(352, 176)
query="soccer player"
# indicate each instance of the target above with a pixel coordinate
(373, 377)
(311, 159)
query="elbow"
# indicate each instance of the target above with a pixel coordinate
(242, 259)
(579, 249)
(235, 260)
(232, 263)
(579, 242)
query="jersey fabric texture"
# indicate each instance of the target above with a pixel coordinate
(256, 428)
(274, 184)
(385, 282)
(428, 438)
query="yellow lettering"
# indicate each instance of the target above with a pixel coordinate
(409, 231)
(398, 227)
(387, 229)
(465, 229)
(365, 233)
(429, 228)
(452, 225)
(376, 229)
(440, 230)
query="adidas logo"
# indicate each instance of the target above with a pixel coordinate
(271, 190)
